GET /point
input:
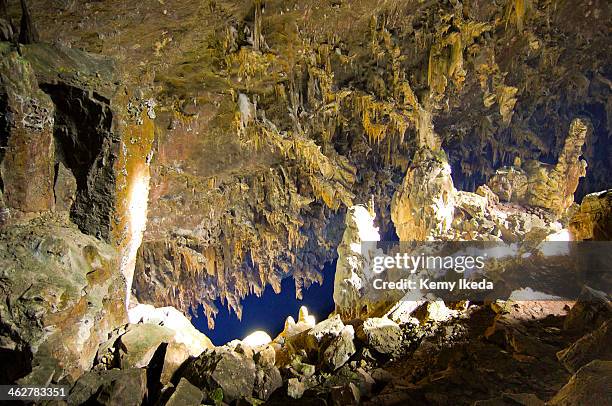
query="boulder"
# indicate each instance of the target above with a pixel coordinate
(126, 387)
(592, 308)
(434, 311)
(265, 356)
(169, 317)
(267, 380)
(301, 369)
(590, 385)
(225, 369)
(340, 349)
(129, 389)
(321, 334)
(381, 334)
(175, 356)
(295, 388)
(345, 395)
(139, 343)
(366, 382)
(401, 313)
(474, 204)
(594, 345)
(330, 327)
(185, 394)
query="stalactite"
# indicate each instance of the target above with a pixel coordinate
(258, 40)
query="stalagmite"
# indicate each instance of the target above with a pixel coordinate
(424, 205)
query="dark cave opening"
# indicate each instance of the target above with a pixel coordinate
(268, 312)
(86, 145)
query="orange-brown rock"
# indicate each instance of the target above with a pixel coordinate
(26, 167)
(593, 219)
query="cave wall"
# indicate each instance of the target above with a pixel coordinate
(76, 148)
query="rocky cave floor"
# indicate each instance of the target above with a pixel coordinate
(497, 354)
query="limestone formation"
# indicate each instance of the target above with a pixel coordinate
(424, 204)
(593, 219)
(352, 294)
(188, 154)
(551, 187)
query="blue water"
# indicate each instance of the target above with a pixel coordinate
(268, 312)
